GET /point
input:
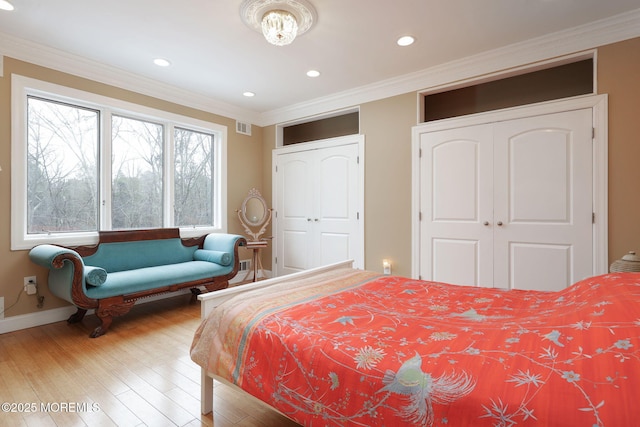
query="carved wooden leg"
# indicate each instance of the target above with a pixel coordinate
(107, 309)
(77, 316)
(105, 322)
(194, 295)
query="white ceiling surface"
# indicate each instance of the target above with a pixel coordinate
(215, 57)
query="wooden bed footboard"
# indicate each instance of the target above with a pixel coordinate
(211, 300)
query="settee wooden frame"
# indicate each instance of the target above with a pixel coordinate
(108, 308)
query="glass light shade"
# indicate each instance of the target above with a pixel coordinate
(6, 5)
(279, 27)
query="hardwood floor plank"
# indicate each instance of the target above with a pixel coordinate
(138, 374)
(145, 411)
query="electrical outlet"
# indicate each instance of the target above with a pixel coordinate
(30, 285)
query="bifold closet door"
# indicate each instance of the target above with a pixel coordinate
(508, 204)
(317, 207)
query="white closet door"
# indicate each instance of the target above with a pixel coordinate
(543, 186)
(294, 205)
(456, 203)
(509, 204)
(317, 201)
(336, 211)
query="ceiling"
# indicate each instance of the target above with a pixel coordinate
(215, 56)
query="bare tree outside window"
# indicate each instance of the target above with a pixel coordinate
(136, 171)
(193, 193)
(62, 167)
(95, 163)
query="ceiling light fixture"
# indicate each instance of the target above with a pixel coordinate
(313, 73)
(279, 21)
(6, 5)
(161, 62)
(279, 27)
(405, 41)
(249, 94)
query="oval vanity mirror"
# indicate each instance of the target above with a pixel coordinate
(254, 214)
(254, 210)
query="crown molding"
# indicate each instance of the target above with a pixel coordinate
(599, 33)
(66, 62)
(611, 30)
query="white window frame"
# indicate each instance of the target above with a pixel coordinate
(22, 86)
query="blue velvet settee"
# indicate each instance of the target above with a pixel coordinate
(128, 265)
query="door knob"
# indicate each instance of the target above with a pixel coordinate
(485, 223)
(499, 223)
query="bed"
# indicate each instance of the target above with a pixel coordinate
(338, 346)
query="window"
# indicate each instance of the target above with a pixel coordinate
(82, 163)
(136, 173)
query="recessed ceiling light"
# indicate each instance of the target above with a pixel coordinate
(313, 73)
(249, 94)
(161, 62)
(6, 5)
(405, 41)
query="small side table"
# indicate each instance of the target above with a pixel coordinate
(257, 261)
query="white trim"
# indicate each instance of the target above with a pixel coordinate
(599, 105)
(578, 39)
(359, 261)
(38, 318)
(22, 86)
(76, 65)
(326, 115)
(61, 314)
(589, 36)
(504, 74)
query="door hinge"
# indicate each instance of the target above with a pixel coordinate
(358, 159)
(357, 215)
(593, 217)
(419, 216)
(593, 133)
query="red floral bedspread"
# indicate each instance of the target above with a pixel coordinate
(391, 351)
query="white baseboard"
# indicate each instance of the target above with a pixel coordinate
(38, 318)
(44, 317)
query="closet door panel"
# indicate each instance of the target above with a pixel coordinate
(540, 176)
(294, 206)
(457, 206)
(543, 199)
(543, 267)
(456, 261)
(337, 204)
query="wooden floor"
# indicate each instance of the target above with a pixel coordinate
(138, 374)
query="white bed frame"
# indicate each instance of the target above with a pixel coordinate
(211, 300)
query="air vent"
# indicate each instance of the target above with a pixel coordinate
(243, 128)
(245, 265)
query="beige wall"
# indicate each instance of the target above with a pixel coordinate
(386, 125)
(619, 76)
(245, 170)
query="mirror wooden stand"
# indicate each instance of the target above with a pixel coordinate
(254, 215)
